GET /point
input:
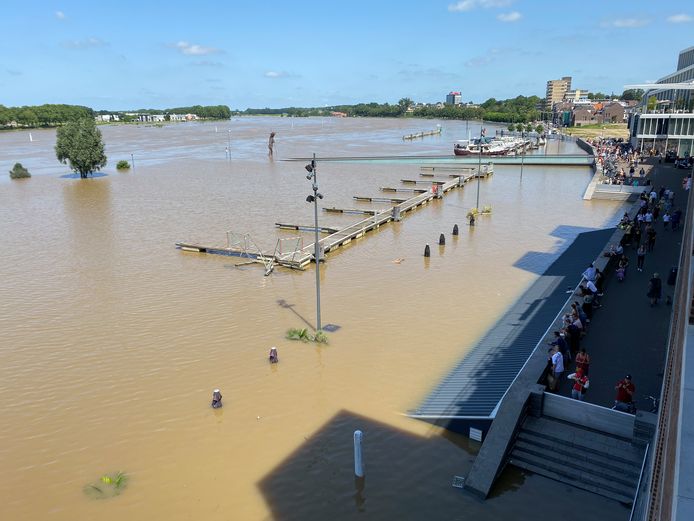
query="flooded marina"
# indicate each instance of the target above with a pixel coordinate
(113, 339)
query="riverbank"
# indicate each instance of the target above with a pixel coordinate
(606, 131)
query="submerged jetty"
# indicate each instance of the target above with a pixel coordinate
(424, 133)
(300, 257)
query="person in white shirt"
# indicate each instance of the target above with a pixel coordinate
(589, 274)
(557, 365)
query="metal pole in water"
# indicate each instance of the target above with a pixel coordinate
(358, 462)
(132, 160)
(522, 154)
(229, 142)
(317, 247)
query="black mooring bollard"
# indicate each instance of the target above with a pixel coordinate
(442, 240)
(427, 251)
(455, 229)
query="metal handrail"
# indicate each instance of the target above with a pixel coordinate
(638, 485)
(665, 446)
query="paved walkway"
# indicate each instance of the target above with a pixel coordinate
(626, 335)
(475, 386)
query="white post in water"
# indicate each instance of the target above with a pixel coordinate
(358, 463)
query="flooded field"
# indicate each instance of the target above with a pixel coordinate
(113, 340)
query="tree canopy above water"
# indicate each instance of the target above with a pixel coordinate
(42, 115)
(79, 144)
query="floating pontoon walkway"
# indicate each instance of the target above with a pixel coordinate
(473, 160)
(300, 258)
(473, 390)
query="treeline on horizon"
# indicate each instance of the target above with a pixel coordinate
(201, 111)
(52, 115)
(519, 109)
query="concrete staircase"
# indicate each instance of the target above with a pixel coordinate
(586, 459)
(611, 195)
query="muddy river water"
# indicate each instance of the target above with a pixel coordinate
(113, 340)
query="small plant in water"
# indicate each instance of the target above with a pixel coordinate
(109, 485)
(122, 165)
(305, 336)
(320, 337)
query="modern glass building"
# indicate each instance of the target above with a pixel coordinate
(668, 126)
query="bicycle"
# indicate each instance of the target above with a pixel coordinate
(654, 403)
(630, 407)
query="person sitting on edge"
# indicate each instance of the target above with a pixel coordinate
(589, 274)
(625, 394)
(563, 346)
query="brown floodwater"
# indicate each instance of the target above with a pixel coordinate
(112, 339)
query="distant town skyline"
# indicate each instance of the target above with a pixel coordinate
(128, 55)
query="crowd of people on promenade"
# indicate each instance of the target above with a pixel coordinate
(619, 163)
(656, 212)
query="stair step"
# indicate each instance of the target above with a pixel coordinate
(588, 441)
(598, 486)
(586, 448)
(627, 476)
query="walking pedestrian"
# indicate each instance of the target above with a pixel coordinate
(675, 220)
(636, 236)
(271, 144)
(640, 257)
(666, 220)
(655, 289)
(650, 237)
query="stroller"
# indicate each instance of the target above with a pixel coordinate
(620, 272)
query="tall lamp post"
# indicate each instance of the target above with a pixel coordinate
(312, 175)
(479, 165)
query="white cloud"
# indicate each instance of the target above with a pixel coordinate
(468, 5)
(495, 3)
(485, 59)
(680, 18)
(279, 74)
(191, 49)
(464, 5)
(60, 15)
(89, 43)
(513, 16)
(207, 63)
(629, 22)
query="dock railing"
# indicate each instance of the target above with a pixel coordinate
(664, 462)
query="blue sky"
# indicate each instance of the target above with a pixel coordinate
(126, 54)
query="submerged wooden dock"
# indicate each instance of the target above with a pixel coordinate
(300, 258)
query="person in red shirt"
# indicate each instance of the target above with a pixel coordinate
(625, 394)
(580, 386)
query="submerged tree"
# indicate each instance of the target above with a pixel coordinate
(19, 172)
(79, 144)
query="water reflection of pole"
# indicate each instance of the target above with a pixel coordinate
(132, 160)
(229, 143)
